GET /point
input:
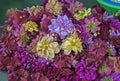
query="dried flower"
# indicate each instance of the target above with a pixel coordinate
(30, 26)
(72, 43)
(62, 26)
(47, 48)
(54, 6)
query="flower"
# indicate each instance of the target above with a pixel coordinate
(62, 26)
(115, 24)
(54, 6)
(17, 17)
(18, 75)
(82, 33)
(62, 61)
(8, 42)
(92, 24)
(112, 77)
(30, 61)
(47, 48)
(116, 63)
(31, 48)
(76, 5)
(9, 63)
(104, 31)
(72, 43)
(85, 71)
(45, 22)
(115, 40)
(34, 10)
(30, 26)
(79, 14)
(98, 48)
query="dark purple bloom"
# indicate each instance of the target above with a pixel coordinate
(30, 61)
(115, 24)
(86, 71)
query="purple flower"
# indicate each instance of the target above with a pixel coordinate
(82, 32)
(30, 61)
(85, 71)
(62, 26)
(107, 17)
(115, 24)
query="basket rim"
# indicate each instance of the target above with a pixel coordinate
(109, 5)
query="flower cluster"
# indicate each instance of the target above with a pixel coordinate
(60, 40)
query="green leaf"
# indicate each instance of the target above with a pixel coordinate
(25, 38)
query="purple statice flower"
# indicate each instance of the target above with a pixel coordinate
(30, 61)
(63, 26)
(115, 24)
(85, 71)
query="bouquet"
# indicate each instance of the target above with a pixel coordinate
(60, 40)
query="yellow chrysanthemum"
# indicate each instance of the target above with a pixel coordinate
(72, 43)
(30, 26)
(82, 14)
(47, 48)
(54, 6)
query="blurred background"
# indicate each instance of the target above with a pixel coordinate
(20, 4)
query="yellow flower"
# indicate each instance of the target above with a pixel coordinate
(47, 48)
(82, 14)
(72, 43)
(54, 6)
(30, 26)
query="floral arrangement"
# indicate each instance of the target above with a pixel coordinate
(60, 40)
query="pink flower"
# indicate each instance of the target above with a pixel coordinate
(92, 24)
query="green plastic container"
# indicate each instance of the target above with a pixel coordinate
(110, 8)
